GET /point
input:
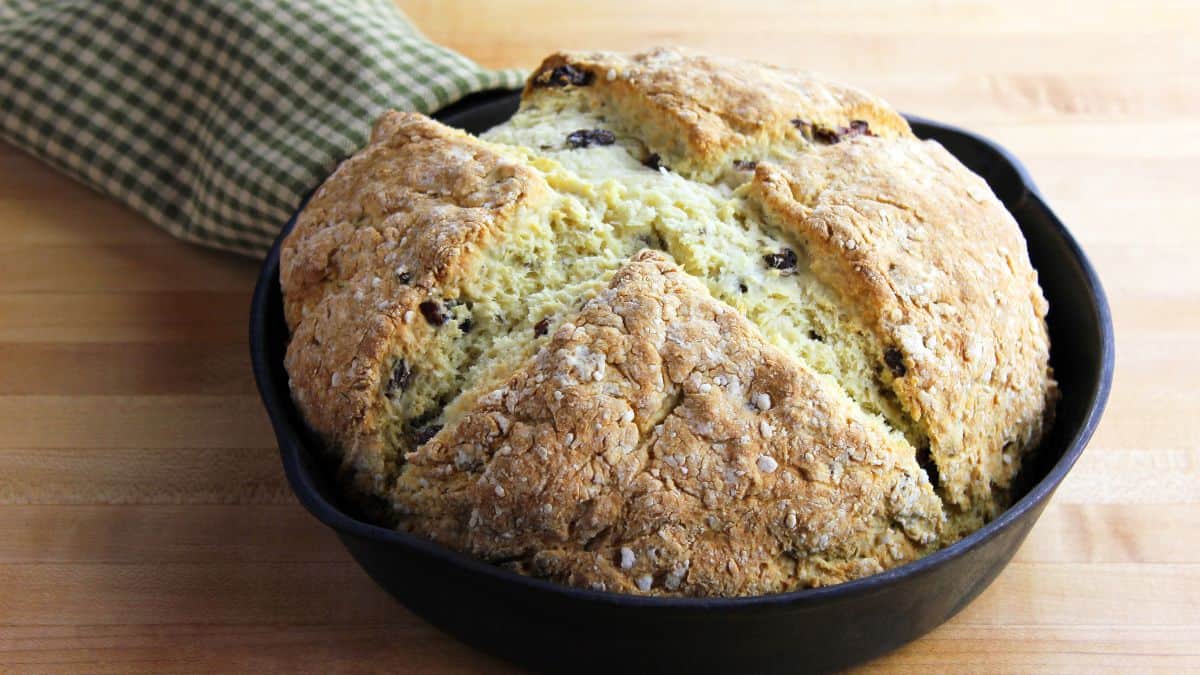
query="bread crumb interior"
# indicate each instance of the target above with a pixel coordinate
(611, 201)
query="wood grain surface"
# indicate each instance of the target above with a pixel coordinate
(145, 524)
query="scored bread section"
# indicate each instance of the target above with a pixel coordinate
(700, 112)
(657, 444)
(369, 269)
(933, 262)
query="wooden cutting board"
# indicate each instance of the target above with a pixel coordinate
(145, 524)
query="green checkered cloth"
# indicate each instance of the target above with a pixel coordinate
(214, 119)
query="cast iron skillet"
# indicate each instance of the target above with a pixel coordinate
(553, 627)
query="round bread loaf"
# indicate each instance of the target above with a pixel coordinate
(683, 325)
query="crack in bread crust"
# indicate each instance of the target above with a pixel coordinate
(921, 249)
(656, 440)
(756, 269)
(393, 227)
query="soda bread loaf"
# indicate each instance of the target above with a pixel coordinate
(683, 325)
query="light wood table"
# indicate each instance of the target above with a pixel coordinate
(145, 523)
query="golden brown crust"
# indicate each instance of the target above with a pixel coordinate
(391, 228)
(921, 248)
(657, 429)
(700, 112)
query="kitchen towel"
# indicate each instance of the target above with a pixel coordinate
(214, 119)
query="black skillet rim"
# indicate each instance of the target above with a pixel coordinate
(280, 410)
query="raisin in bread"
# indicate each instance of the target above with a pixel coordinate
(683, 325)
